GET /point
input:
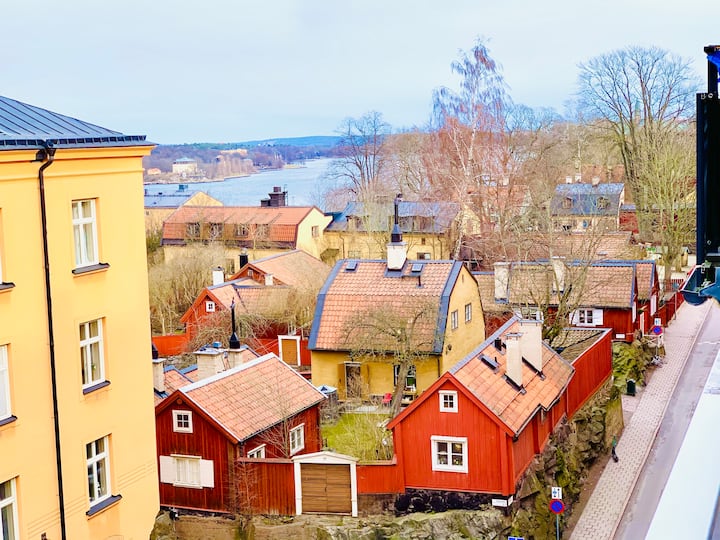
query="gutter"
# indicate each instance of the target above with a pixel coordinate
(48, 153)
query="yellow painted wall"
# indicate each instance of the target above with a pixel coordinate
(314, 245)
(124, 409)
(373, 246)
(154, 217)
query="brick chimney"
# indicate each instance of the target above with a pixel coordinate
(513, 358)
(531, 347)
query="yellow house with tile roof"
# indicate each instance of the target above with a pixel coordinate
(77, 436)
(429, 308)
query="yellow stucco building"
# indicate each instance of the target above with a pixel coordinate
(77, 438)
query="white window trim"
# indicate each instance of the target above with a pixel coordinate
(597, 317)
(257, 452)
(86, 344)
(5, 404)
(181, 429)
(449, 467)
(448, 393)
(169, 471)
(11, 501)
(209, 306)
(92, 462)
(468, 313)
(297, 442)
(79, 235)
(196, 480)
(454, 319)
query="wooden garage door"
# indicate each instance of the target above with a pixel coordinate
(326, 488)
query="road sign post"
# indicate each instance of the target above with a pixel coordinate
(557, 507)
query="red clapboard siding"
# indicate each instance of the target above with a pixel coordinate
(620, 320)
(592, 369)
(382, 477)
(266, 486)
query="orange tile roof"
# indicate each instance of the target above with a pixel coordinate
(646, 277)
(282, 221)
(295, 268)
(369, 288)
(489, 386)
(254, 396)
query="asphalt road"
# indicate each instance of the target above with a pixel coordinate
(649, 487)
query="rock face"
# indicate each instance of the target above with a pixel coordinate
(163, 528)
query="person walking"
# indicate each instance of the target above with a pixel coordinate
(612, 452)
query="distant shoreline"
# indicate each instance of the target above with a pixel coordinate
(206, 180)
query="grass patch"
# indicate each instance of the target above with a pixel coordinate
(362, 435)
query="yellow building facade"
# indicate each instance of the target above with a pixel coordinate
(77, 435)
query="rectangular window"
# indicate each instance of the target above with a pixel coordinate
(257, 453)
(192, 230)
(449, 454)
(468, 313)
(454, 320)
(315, 231)
(85, 233)
(585, 316)
(410, 379)
(241, 230)
(262, 231)
(187, 471)
(91, 353)
(216, 230)
(182, 421)
(297, 439)
(354, 254)
(8, 511)
(209, 306)
(448, 401)
(422, 255)
(98, 470)
(5, 410)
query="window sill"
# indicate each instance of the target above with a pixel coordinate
(6, 286)
(102, 505)
(95, 387)
(8, 420)
(90, 269)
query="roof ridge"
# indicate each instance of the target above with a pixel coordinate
(226, 373)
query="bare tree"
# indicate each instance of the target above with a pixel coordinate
(361, 149)
(385, 335)
(637, 97)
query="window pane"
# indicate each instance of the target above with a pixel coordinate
(89, 242)
(8, 523)
(101, 476)
(78, 245)
(5, 490)
(95, 361)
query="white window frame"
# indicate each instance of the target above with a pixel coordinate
(209, 306)
(585, 316)
(454, 319)
(257, 453)
(5, 403)
(436, 440)
(87, 358)
(187, 471)
(178, 422)
(98, 479)
(84, 226)
(448, 401)
(468, 312)
(172, 472)
(297, 439)
(10, 500)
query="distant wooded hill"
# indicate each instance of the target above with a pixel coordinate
(267, 153)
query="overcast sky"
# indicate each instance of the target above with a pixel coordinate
(235, 70)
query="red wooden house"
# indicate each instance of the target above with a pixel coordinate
(478, 427)
(259, 409)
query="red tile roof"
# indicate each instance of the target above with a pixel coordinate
(646, 279)
(253, 397)
(369, 287)
(295, 268)
(508, 403)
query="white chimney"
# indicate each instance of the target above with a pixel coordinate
(531, 347)
(578, 177)
(396, 248)
(269, 280)
(158, 374)
(513, 358)
(235, 357)
(568, 179)
(218, 276)
(558, 268)
(595, 181)
(209, 362)
(502, 280)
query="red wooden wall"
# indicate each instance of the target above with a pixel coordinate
(592, 369)
(205, 441)
(266, 486)
(171, 344)
(276, 437)
(379, 477)
(620, 320)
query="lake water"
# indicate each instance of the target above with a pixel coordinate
(304, 185)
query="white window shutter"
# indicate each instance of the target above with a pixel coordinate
(167, 470)
(207, 473)
(574, 317)
(597, 317)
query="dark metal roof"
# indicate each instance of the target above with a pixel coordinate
(25, 126)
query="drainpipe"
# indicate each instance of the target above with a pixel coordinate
(48, 153)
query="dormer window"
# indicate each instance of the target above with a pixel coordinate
(242, 230)
(216, 230)
(192, 230)
(603, 203)
(567, 203)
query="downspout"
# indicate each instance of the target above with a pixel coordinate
(48, 153)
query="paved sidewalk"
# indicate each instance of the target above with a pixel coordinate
(603, 512)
